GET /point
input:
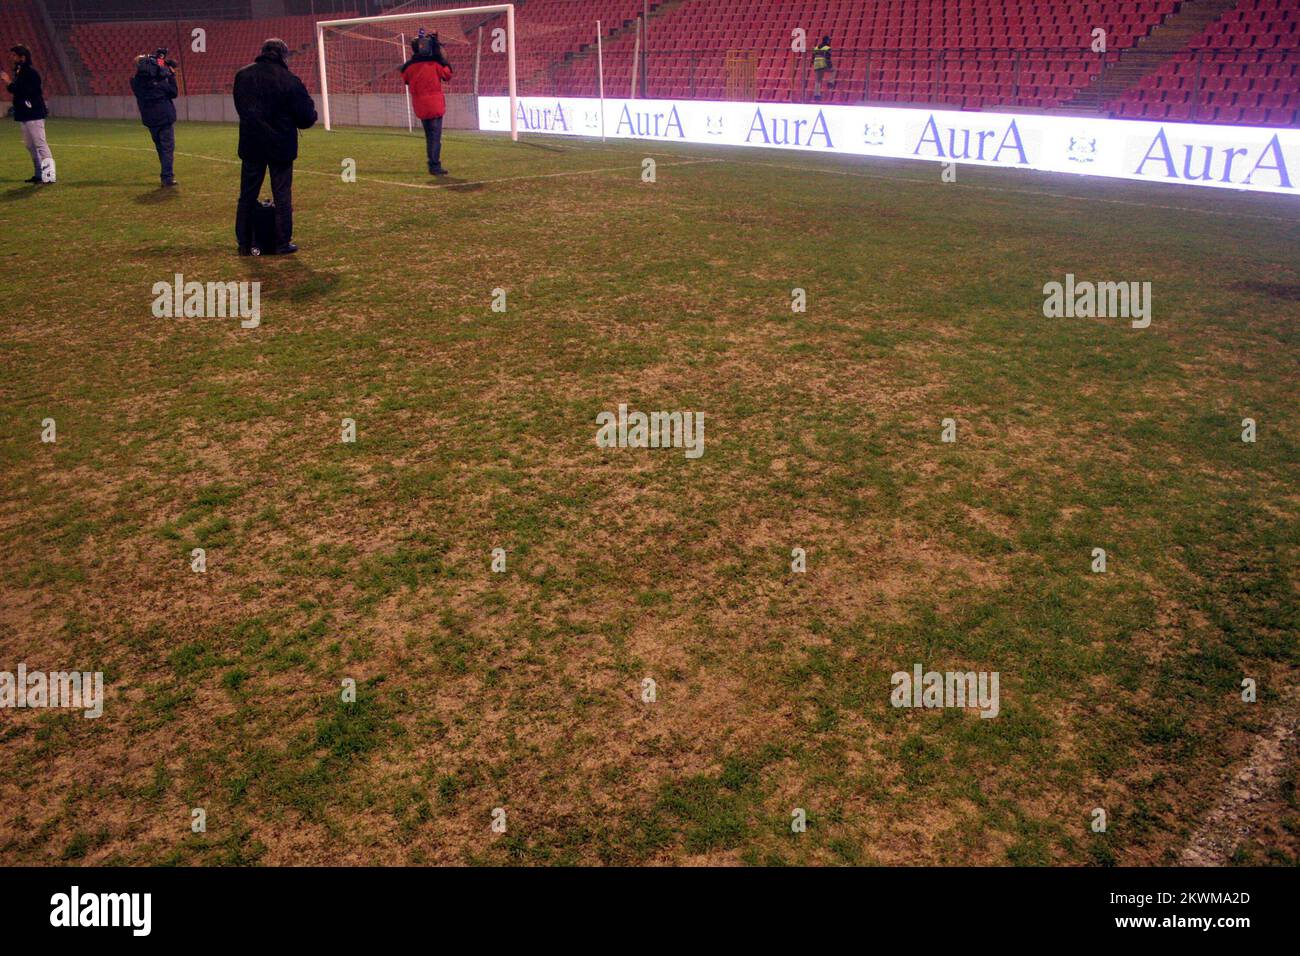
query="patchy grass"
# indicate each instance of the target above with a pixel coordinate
(522, 690)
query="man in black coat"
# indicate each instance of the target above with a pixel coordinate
(273, 105)
(154, 86)
(30, 111)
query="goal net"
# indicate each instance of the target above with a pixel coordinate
(360, 61)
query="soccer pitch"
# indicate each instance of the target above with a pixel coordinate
(651, 678)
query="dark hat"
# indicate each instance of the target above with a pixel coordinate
(275, 47)
(22, 51)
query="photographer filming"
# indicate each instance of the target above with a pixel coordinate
(154, 86)
(424, 73)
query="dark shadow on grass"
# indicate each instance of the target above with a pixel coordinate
(544, 147)
(20, 192)
(83, 183)
(288, 278)
(284, 279)
(154, 197)
(462, 186)
(1275, 290)
(174, 251)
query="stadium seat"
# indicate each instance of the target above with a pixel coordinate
(977, 55)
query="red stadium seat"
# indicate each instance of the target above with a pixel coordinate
(975, 54)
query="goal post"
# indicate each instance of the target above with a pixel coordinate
(345, 63)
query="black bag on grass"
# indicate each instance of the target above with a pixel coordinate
(266, 237)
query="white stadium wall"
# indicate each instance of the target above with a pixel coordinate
(1230, 157)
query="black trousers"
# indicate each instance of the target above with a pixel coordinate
(251, 177)
(164, 140)
(433, 140)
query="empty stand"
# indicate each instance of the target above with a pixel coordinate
(109, 50)
(1243, 67)
(975, 54)
(21, 22)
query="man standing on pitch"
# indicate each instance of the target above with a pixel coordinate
(273, 105)
(154, 86)
(29, 109)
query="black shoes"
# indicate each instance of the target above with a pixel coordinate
(33, 179)
(437, 171)
(170, 182)
(287, 249)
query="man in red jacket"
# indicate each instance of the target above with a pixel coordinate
(424, 73)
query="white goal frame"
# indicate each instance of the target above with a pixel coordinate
(507, 8)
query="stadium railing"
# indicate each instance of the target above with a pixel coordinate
(1219, 86)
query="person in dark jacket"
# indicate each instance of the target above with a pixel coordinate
(424, 73)
(273, 105)
(30, 111)
(154, 86)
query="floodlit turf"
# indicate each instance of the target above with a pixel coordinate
(476, 430)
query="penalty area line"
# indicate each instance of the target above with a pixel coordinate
(887, 178)
(394, 182)
(516, 179)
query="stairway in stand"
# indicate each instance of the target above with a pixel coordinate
(1151, 52)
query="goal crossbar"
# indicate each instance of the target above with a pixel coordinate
(507, 8)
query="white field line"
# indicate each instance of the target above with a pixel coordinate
(1032, 193)
(697, 160)
(393, 182)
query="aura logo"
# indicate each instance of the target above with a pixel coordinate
(713, 124)
(873, 134)
(543, 118)
(647, 124)
(1201, 162)
(591, 119)
(1083, 149)
(494, 115)
(961, 142)
(776, 130)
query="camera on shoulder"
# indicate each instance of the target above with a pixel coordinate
(155, 64)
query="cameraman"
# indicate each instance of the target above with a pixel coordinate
(154, 86)
(424, 73)
(30, 111)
